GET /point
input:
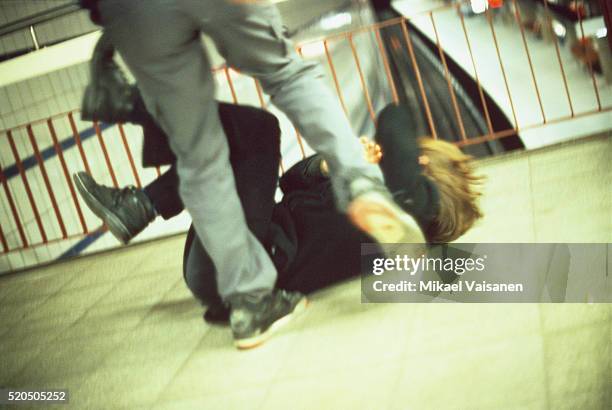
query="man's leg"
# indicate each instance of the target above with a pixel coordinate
(174, 76)
(251, 38)
(160, 42)
(254, 139)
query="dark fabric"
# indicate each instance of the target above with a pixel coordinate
(163, 192)
(328, 245)
(156, 149)
(310, 242)
(303, 176)
(254, 140)
(94, 13)
(199, 271)
(414, 192)
(244, 127)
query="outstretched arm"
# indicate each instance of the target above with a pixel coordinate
(400, 149)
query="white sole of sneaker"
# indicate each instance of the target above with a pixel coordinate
(384, 221)
(255, 341)
(115, 226)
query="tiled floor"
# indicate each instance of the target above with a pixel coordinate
(120, 329)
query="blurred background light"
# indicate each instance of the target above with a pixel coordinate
(336, 21)
(559, 29)
(479, 6)
(602, 32)
(313, 49)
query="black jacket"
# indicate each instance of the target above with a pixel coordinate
(320, 246)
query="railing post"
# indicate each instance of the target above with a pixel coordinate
(34, 38)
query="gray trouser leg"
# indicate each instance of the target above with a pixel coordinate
(160, 43)
(251, 39)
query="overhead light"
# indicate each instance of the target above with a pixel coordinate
(336, 21)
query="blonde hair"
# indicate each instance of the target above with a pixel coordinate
(452, 172)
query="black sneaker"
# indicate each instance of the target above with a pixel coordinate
(125, 211)
(217, 314)
(255, 317)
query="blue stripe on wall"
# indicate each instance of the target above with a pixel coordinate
(81, 245)
(48, 153)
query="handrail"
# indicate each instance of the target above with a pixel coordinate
(37, 18)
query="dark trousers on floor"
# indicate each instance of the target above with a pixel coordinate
(254, 141)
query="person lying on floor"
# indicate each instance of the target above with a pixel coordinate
(313, 246)
(310, 242)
